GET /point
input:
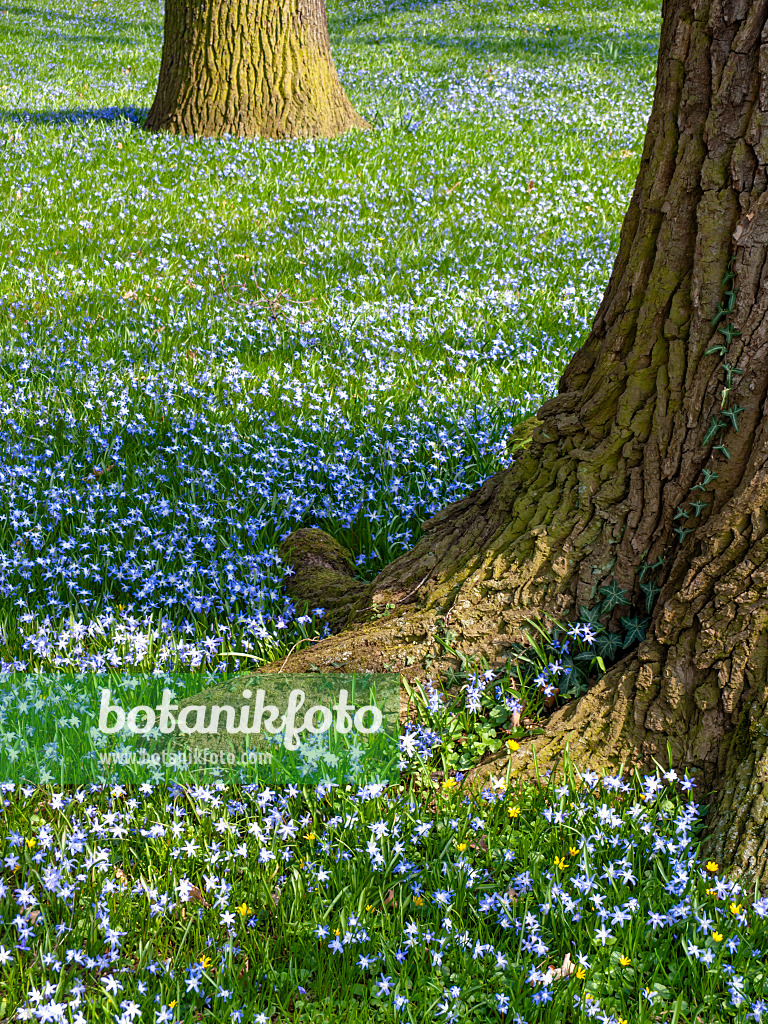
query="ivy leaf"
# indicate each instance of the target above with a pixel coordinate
(584, 657)
(729, 332)
(614, 596)
(591, 616)
(716, 424)
(651, 590)
(732, 415)
(635, 629)
(608, 645)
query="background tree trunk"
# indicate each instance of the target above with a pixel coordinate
(624, 470)
(249, 67)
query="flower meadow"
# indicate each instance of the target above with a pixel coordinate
(205, 344)
(582, 900)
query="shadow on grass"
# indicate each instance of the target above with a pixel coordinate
(108, 24)
(341, 22)
(84, 115)
(552, 40)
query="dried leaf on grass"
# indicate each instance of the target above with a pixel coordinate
(555, 973)
(196, 894)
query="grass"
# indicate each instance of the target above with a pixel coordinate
(208, 343)
(582, 900)
(205, 344)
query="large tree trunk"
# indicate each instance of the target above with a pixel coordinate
(619, 455)
(249, 67)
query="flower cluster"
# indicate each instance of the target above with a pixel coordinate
(540, 909)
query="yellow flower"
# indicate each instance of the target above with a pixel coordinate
(337, 932)
(449, 783)
(622, 1021)
(717, 937)
(461, 847)
(581, 973)
(712, 866)
(560, 863)
(31, 843)
(172, 1003)
(624, 960)
(735, 908)
(369, 906)
(513, 811)
(205, 963)
(711, 892)
(418, 900)
(309, 835)
(513, 744)
(243, 909)
(573, 850)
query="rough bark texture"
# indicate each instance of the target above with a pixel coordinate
(609, 476)
(249, 67)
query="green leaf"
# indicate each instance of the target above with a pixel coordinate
(608, 645)
(729, 332)
(635, 629)
(732, 415)
(498, 715)
(614, 596)
(698, 506)
(591, 616)
(716, 424)
(583, 657)
(651, 591)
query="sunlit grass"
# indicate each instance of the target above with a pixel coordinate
(206, 343)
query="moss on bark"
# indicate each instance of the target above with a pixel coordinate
(249, 67)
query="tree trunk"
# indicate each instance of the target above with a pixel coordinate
(641, 456)
(249, 67)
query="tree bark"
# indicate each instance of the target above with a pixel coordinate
(623, 468)
(248, 68)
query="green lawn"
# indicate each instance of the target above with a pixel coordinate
(208, 343)
(205, 344)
